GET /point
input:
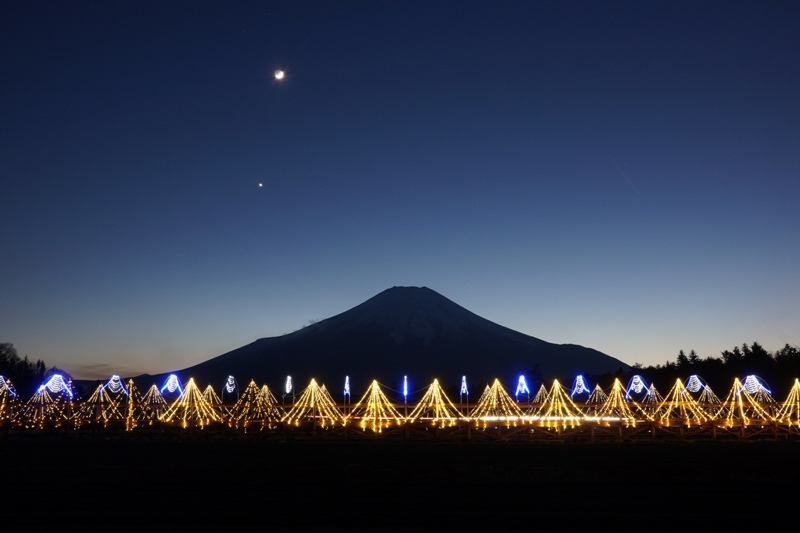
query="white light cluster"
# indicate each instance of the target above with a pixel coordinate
(230, 385)
(115, 385)
(172, 384)
(579, 387)
(57, 384)
(693, 383)
(636, 385)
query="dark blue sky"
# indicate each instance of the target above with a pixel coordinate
(621, 175)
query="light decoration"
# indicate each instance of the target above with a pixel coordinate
(8, 400)
(435, 407)
(558, 411)
(172, 384)
(230, 392)
(347, 385)
(405, 388)
(191, 409)
(7, 387)
(756, 387)
(679, 408)
(615, 408)
(133, 407)
(288, 388)
(741, 408)
(57, 384)
(789, 413)
(541, 396)
(595, 400)
(374, 411)
(707, 399)
(255, 406)
(522, 388)
(496, 406)
(694, 383)
(636, 385)
(152, 405)
(106, 404)
(579, 386)
(51, 405)
(650, 403)
(464, 391)
(271, 399)
(214, 401)
(115, 385)
(316, 405)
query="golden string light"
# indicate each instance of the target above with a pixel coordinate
(374, 410)
(315, 405)
(679, 408)
(496, 405)
(435, 407)
(557, 411)
(191, 408)
(741, 408)
(255, 407)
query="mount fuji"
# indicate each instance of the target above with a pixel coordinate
(402, 331)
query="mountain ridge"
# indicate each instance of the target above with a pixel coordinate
(400, 331)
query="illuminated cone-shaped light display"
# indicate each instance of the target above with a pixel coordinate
(105, 405)
(314, 405)
(789, 413)
(496, 406)
(595, 401)
(558, 411)
(650, 402)
(214, 401)
(8, 401)
(152, 406)
(435, 407)
(374, 410)
(51, 404)
(541, 397)
(615, 408)
(255, 407)
(679, 408)
(191, 409)
(740, 408)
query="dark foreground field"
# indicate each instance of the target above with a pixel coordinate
(375, 485)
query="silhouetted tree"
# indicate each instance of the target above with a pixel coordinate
(26, 375)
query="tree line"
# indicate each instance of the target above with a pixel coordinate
(25, 375)
(778, 369)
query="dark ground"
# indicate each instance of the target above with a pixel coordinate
(234, 485)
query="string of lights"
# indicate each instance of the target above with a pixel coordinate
(316, 405)
(374, 411)
(496, 405)
(435, 407)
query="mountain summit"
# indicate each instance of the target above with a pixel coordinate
(403, 331)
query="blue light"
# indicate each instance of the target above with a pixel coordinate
(6, 386)
(579, 387)
(172, 384)
(636, 385)
(56, 384)
(347, 385)
(115, 384)
(464, 385)
(405, 386)
(522, 387)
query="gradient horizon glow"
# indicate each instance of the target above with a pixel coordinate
(623, 176)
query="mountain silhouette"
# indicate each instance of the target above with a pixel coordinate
(402, 331)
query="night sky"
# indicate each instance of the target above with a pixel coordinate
(620, 175)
